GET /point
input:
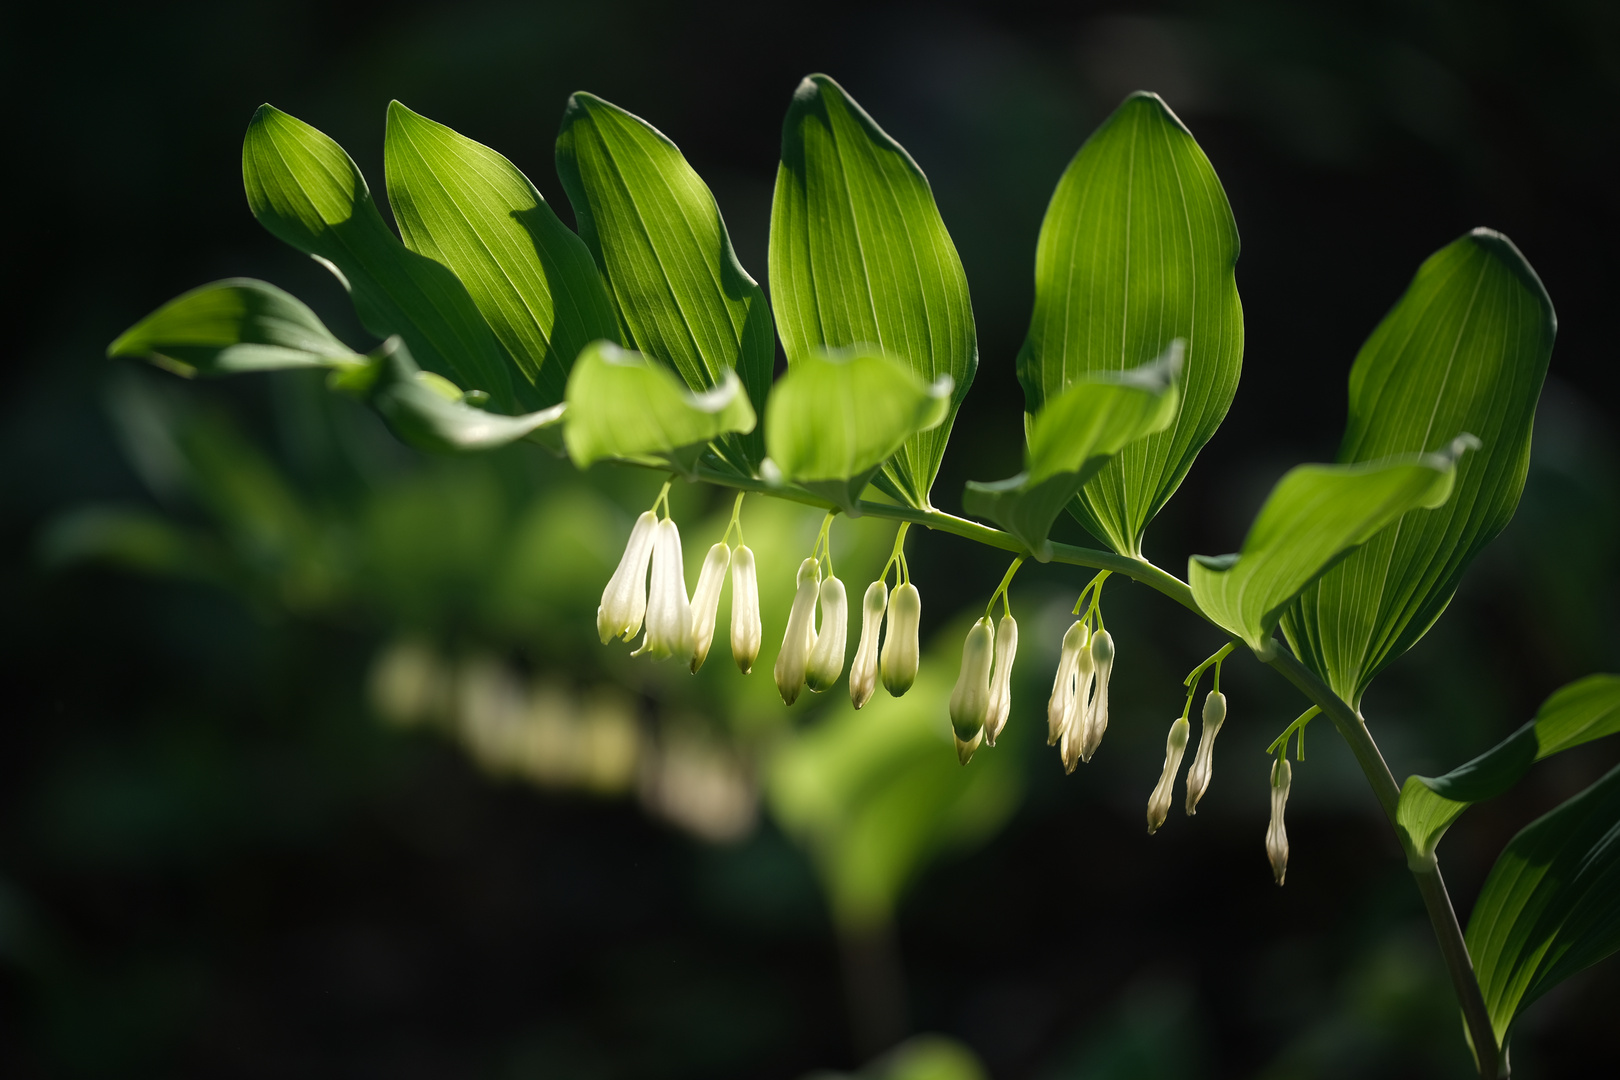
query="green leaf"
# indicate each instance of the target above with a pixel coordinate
(835, 418)
(859, 257)
(428, 411)
(310, 194)
(1578, 713)
(1072, 438)
(625, 405)
(1548, 907)
(1313, 517)
(1465, 349)
(656, 231)
(462, 204)
(1138, 248)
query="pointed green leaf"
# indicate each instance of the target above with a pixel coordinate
(231, 326)
(310, 194)
(625, 405)
(1465, 349)
(656, 231)
(1578, 713)
(1072, 438)
(860, 257)
(429, 412)
(1548, 907)
(1313, 517)
(1138, 248)
(835, 418)
(463, 205)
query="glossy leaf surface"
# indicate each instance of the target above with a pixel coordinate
(1578, 713)
(1465, 349)
(310, 194)
(1138, 248)
(1312, 518)
(465, 206)
(859, 256)
(429, 412)
(1072, 438)
(1547, 909)
(232, 326)
(835, 418)
(656, 231)
(625, 405)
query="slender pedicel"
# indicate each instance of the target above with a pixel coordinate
(746, 630)
(1159, 802)
(1282, 775)
(706, 601)
(669, 612)
(863, 671)
(1203, 766)
(970, 699)
(898, 657)
(1001, 678)
(827, 657)
(798, 639)
(624, 601)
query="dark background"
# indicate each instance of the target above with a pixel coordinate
(214, 862)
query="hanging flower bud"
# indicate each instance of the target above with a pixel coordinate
(898, 660)
(669, 612)
(827, 658)
(1203, 766)
(1001, 678)
(970, 700)
(624, 601)
(1159, 802)
(1282, 775)
(863, 672)
(1102, 657)
(746, 629)
(1078, 715)
(800, 636)
(1075, 640)
(706, 602)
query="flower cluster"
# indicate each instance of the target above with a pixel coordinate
(1077, 711)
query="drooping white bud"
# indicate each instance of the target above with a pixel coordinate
(669, 612)
(624, 601)
(799, 638)
(706, 602)
(1203, 766)
(747, 632)
(1102, 657)
(1001, 678)
(1078, 715)
(827, 658)
(1282, 775)
(1075, 640)
(898, 659)
(1159, 802)
(970, 700)
(863, 671)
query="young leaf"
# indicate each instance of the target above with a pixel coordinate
(232, 326)
(1073, 437)
(428, 411)
(462, 204)
(1313, 517)
(835, 418)
(625, 405)
(1465, 349)
(1138, 247)
(310, 194)
(1578, 713)
(657, 234)
(1547, 909)
(859, 257)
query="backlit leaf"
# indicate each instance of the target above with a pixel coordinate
(860, 257)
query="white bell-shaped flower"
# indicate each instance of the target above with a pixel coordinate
(827, 657)
(1076, 639)
(1282, 775)
(624, 601)
(669, 611)
(1078, 715)
(1159, 802)
(1001, 678)
(799, 638)
(747, 632)
(898, 658)
(706, 601)
(863, 670)
(1102, 659)
(970, 699)
(1203, 766)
